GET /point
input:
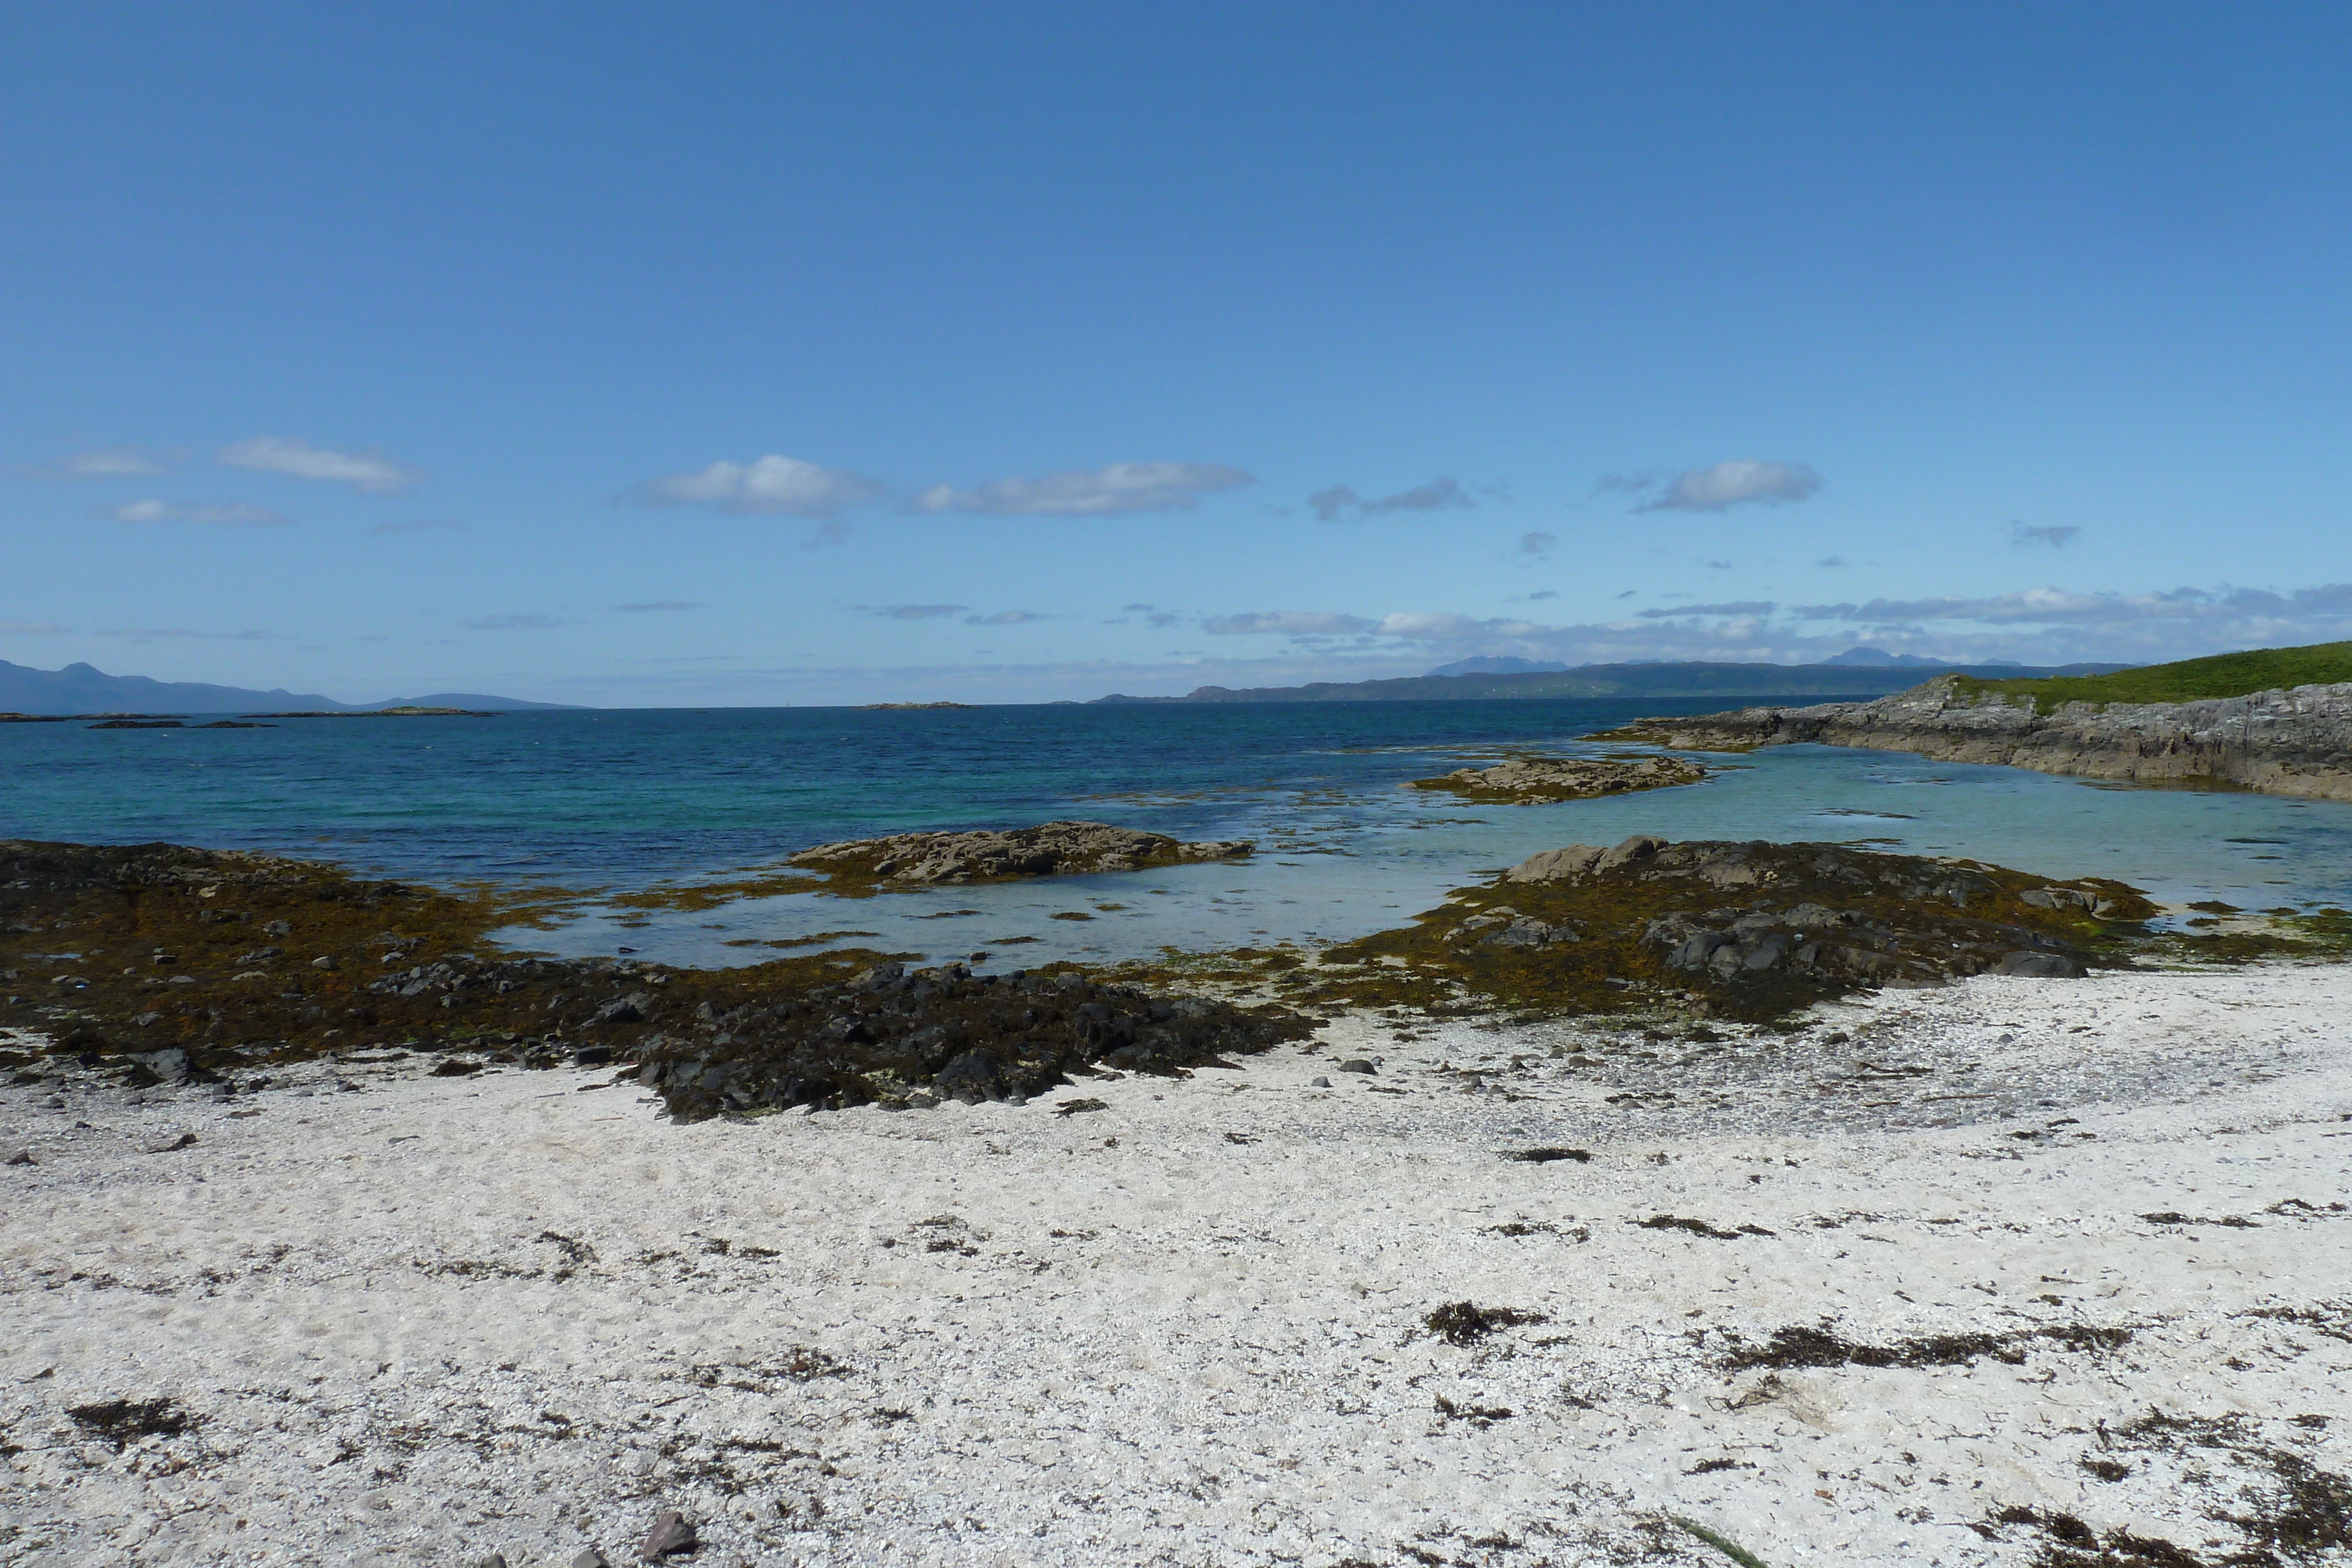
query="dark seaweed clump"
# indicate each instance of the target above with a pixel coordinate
(1466, 1323)
(123, 1422)
(1800, 1345)
(895, 1038)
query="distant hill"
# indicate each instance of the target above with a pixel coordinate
(1497, 665)
(80, 688)
(1696, 679)
(1880, 659)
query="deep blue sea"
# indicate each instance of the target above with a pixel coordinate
(620, 798)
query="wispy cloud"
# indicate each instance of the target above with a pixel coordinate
(775, 485)
(1286, 624)
(226, 514)
(1539, 546)
(1544, 593)
(108, 463)
(1719, 486)
(653, 605)
(29, 628)
(1115, 490)
(512, 624)
(1736, 607)
(184, 633)
(1003, 618)
(912, 612)
(418, 526)
(2055, 536)
(370, 472)
(1441, 494)
(827, 535)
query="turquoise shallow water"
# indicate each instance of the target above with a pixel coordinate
(619, 799)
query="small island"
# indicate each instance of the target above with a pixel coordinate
(1541, 781)
(907, 708)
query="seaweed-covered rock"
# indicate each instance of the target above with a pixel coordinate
(901, 1038)
(1754, 929)
(1050, 849)
(1538, 780)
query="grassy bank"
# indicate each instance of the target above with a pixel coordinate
(2190, 680)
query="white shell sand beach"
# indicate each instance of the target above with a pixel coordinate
(427, 1320)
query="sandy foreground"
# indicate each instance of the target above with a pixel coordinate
(427, 1320)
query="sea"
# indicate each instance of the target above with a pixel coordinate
(603, 801)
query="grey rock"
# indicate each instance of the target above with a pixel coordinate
(589, 1557)
(1320, 1083)
(630, 1009)
(19, 1158)
(171, 1143)
(1357, 1064)
(670, 1533)
(322, 963)
(277, 929)
(2040, 966)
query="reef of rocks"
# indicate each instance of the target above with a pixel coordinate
(1752, 930)
(900, 1039)
(1050, 849)
(155, 963)
(1538, 781)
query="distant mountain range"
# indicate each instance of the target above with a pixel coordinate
(1846, 676)
(79, 688)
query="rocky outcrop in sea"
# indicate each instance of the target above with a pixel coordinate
(1538, 781)
(1050, 849)
(2293, 742)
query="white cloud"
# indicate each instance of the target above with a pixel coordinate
(370, 472)
(108, 463)
(1116, 490)
(1723, 485)
(1286, 624)
(232, 514)
(785, 486)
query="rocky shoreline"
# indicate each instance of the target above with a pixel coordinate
(2287, 742)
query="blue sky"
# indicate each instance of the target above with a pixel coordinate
(754, 353)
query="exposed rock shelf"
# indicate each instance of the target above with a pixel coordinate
(1538, 781)
(150, 964)
(2291, 742)
(1050, 849)
(1755, 930)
